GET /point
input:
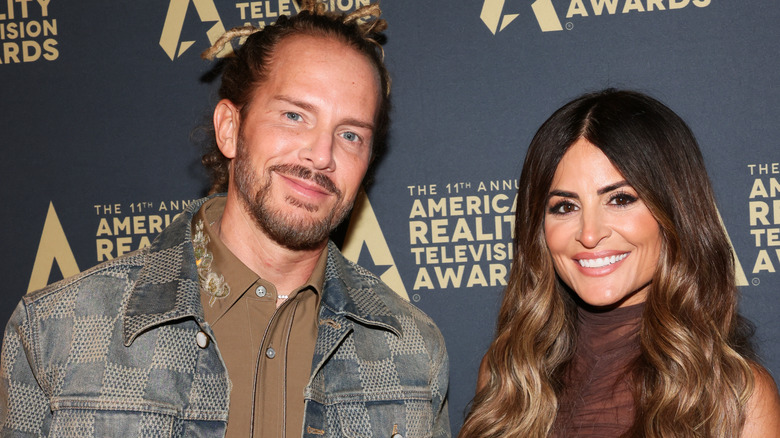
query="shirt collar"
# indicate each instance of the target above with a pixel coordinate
(225, 278)
(157, 299)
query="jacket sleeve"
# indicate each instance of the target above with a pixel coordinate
(440, 380)
(24, 406)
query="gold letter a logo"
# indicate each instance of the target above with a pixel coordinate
(54, 246)
(739, 273)
(363, 231)
(174, 23)
(493, 13)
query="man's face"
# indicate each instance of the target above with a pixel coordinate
(305, 142)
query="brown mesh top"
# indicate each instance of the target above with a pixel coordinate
(596, 401)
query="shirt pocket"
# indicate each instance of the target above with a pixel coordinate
(87, 418)
(408, 413)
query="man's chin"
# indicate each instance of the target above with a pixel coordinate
(294, 227)
(303, 214)
(297, 235)
(296, 205)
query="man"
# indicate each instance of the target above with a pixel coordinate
(242, 319)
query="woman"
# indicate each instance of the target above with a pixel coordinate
(620, 315)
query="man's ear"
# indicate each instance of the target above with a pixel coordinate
(226, 121)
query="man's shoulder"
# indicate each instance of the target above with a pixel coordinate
(117, 270)
(164, 251)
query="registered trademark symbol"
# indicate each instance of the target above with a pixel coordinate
(569, 25)
(416, 298)
(756, 282)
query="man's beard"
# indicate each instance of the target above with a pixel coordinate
(285, 229)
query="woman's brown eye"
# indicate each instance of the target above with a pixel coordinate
(622, 199)
(562, 207)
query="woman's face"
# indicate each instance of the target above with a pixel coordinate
(604, 241)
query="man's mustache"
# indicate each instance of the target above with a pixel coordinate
(301, 172)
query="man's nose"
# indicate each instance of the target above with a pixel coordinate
(319, 151)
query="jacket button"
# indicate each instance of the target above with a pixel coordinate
(397, 435)
(202, 339)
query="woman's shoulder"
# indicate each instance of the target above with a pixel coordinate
(763, 408)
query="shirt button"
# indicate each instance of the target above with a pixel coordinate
(202, 339)
(270, 353)
(261, 291)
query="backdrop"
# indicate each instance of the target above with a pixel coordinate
(101, 101)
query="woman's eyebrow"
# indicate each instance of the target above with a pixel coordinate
(601, 191)
(612, 187)
(562, 194)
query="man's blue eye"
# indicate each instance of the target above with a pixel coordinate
(293, 116)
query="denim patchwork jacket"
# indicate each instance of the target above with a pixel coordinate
(116, 351)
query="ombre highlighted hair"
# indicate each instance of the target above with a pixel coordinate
(693, 376)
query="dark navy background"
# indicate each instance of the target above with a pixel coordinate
(113, 120)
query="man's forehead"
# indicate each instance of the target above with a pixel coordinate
(305, 49)
(316, 63)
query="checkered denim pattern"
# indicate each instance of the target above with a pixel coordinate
(380, 363)
(113, 352)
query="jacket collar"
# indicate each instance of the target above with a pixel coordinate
(167, 288)
(355, 293)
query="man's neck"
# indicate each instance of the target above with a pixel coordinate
(287, 269)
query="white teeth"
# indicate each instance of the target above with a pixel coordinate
(604, 261)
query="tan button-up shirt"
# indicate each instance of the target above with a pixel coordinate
(267, 351)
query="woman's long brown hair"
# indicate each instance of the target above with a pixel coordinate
(693, 376)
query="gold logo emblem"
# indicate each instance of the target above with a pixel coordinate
(364, 231)
(53, 247)
(174, 23)
(493, 15)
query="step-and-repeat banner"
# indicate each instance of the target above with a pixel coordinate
(101, 105)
